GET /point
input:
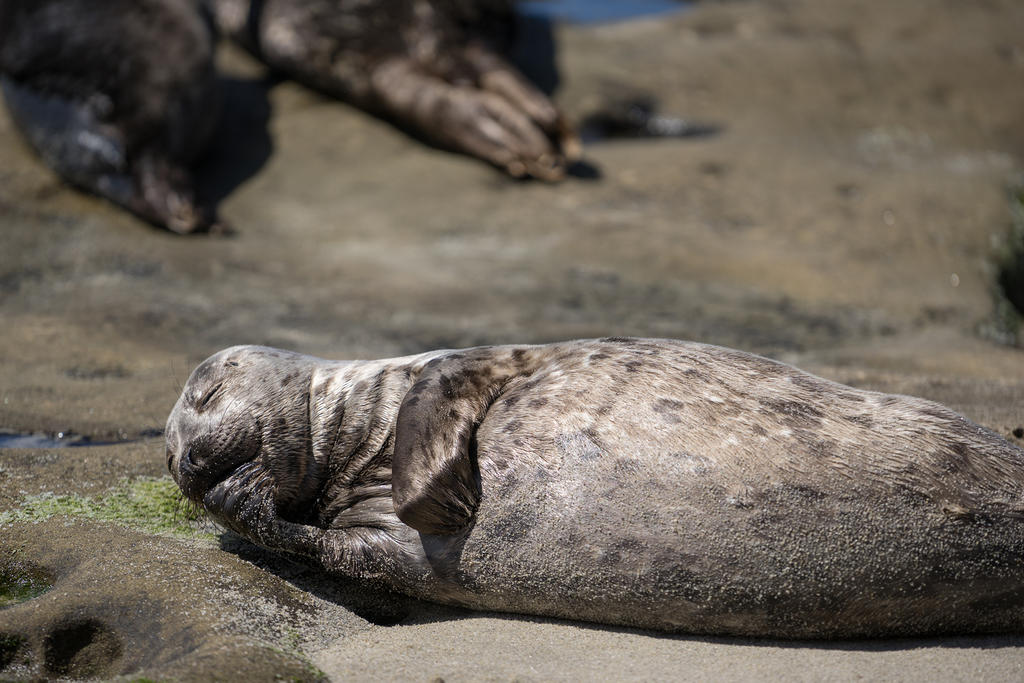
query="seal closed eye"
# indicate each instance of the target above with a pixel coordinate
(208, 396)
(650, 483)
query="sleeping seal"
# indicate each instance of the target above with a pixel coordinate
(432, 66)
(649, 483)
(118, 97)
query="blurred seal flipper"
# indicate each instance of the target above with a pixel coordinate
(117, 97)
(70, 140)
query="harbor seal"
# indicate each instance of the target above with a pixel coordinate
(649, 483)
(118, 97)
(433, 67)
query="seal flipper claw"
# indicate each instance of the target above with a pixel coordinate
(71, 138)
(434, 481)
(495, 74)
(467, 119)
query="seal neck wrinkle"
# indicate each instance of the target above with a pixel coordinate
(353, 408)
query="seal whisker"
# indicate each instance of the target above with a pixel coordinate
(188, 511)
(177, 385)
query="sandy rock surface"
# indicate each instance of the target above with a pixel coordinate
(846, 219)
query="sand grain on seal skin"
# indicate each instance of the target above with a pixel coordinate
(691, 487)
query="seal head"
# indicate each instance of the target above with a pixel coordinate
(240, 430)
(294, 453)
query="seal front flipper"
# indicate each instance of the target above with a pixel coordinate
(492, 121)
(434, 481)
(355, 552)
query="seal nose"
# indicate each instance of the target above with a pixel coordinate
(187, 463)
(187, 470)
(179, 463)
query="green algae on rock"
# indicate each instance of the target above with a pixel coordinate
(20, 582)
(152, 505)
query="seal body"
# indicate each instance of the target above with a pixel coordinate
(650, 483)
(118, 97)
(434, 67)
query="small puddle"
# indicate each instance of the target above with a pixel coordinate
(20, 582)
(12, 439)
(598, 11)
(58, 440)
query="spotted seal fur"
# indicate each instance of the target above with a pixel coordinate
(118, 97)
(650, 483)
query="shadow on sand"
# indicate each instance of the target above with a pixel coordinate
(241, 143)
(383, 607)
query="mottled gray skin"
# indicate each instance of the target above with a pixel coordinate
(650, 483)
(118, 97)
(431, 66)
